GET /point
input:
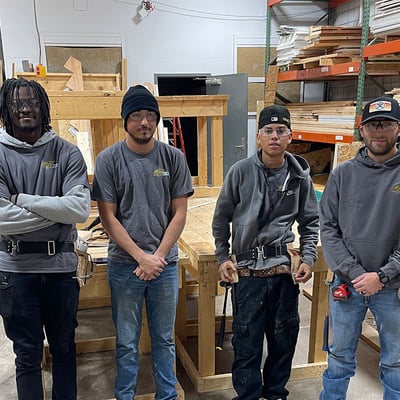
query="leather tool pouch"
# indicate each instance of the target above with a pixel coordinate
(85, 267)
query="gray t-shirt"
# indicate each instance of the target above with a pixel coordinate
(142, 186)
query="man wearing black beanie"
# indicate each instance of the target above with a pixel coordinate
(141, 186)
(261, 198)
(137, 98)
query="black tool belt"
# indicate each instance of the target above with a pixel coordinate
(50, 248)
(262, 251)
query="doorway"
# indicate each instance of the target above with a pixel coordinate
(187, 84)
(234, 124)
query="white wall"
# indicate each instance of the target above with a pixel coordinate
(182, 37)
(179, 36)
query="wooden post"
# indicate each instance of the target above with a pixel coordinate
(271, 83)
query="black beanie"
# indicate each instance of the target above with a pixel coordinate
(274, 114)
(138, 98)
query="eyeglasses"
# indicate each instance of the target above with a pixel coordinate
(151, 116)
(384, 125)
(19, 104)
(281, 131)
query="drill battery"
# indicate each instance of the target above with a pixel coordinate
(341, 292)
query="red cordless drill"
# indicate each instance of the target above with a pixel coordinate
(341, 292)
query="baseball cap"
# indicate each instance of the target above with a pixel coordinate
(274, 114)
(382, 107)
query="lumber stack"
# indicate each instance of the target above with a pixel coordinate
(396, 94)
(332, 37)
(334, 117)
(323, 45)
(291, 41)
(331, 45)
(386, 21)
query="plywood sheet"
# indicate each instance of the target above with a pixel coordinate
(251, 60)
(94, 59)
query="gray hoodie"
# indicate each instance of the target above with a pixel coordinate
(360, 218)
(50, 179)
(244, 198)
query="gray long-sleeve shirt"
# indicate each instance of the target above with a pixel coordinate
(50, 179)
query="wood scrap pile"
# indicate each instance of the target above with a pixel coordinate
(386, 19)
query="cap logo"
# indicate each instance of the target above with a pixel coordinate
(274, 119)
(380, 106)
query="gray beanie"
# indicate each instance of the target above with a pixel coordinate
(138, 98)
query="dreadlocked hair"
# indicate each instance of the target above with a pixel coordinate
(11, 86)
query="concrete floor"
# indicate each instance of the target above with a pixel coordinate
(96, 370)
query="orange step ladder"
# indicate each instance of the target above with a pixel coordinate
(177, 133)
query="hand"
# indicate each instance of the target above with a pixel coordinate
(303, 274)
(150, 267)
(227, 271)
(367, 284)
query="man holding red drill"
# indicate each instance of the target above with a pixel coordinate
(360, 235)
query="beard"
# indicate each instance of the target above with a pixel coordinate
(143, 139)
(381, 151)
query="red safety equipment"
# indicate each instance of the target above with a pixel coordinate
(341, 292)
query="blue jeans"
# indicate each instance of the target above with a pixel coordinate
(27, 303)
(161, 296)
(264, 307)
(346, 322)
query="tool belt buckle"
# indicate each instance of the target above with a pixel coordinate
(13, 247)
(51, 247)
(259, 251)
(278, 250)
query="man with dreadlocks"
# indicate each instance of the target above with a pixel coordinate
(44, 192)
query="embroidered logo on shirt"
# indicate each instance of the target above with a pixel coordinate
(396, 188)
(49, 164)
(160, 172)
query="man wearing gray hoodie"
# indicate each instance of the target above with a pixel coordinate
(44, 192)
(260, 200)
(360, 235)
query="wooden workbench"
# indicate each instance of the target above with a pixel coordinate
(103, 109)
(197, 243)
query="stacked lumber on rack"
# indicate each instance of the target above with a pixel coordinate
(396, 94)
(335, 117)
(291, 41)
(331, 45)
(328, 37)
(386, 19)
